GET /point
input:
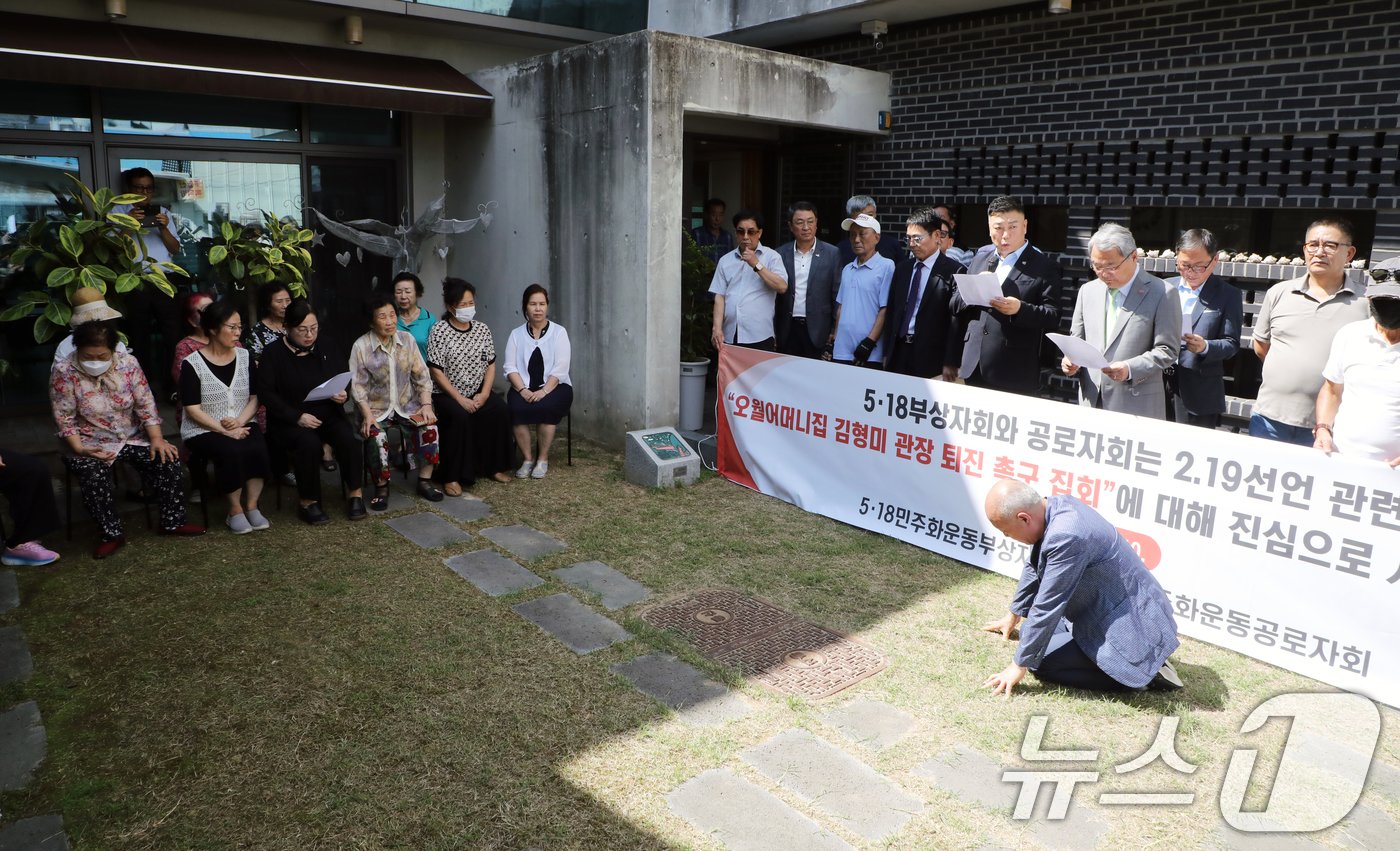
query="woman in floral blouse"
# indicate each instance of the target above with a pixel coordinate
(390, 385)
(476, 436)
(105, 413)
(273, 300)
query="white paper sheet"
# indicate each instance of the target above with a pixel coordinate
(329, 387)
(978, 289)
(1079, 351)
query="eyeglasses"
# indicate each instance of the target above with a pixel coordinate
(234, 328)
(912, 241)
(144, 188)
(306, 330)
(747, 231)
(1100, 269)
(1192, 268)
(1380, 275)
(1327, 247)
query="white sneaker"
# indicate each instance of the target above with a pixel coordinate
(524, 471)
(238, 524)
(541, 468)
(256, 520)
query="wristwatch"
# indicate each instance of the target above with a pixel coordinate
(759, 267)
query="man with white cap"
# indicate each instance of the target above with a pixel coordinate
(88, 306)
(1358, 408)
(861, 299)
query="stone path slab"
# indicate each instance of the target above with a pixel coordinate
(463, 509)
(613, 589)
(23, 745)
(40, 833)
(15, 662)
(744, 817)
(976, 778)
(9, 591)
(578, 627)
(523, 541)
(851, 792)
(428, 530)
(492, 572)
(972, 776)
(1367, 827)
(871, 723)
(684, 688)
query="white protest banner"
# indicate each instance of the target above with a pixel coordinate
(1273, 550)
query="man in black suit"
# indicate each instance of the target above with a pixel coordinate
(921, 338)
(1001, 348)
(802, 316)
(1211, 313)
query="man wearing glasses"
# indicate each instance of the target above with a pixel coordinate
(1211, 313)
(921, 336)
(745, 286)
(1294, 331)
(1134, 319)
(147, 309)
(804, 312)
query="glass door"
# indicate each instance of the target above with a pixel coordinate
(31, 180)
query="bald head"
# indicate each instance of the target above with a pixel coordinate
(1016, 510)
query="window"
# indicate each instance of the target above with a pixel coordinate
(199, 116)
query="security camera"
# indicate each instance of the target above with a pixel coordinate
(877, 30)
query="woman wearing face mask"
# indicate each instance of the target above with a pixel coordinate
(105, 412)
(475, 436)
(220, 395)
(289, 370)
(390, 385)
(537, 367)
(412, 318)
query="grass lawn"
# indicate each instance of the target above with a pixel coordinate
(340, 688)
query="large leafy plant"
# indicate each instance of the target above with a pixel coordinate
(697, 308)
(90, 245)
(251, 255)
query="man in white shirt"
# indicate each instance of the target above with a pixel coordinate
(153, 322)
(745, 286)
(1358, 407)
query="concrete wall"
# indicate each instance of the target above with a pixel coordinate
(584, 156)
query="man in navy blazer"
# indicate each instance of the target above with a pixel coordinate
(1001, 343)
(802, 315)
(1211, 314)
(1091, 615)
(921, 332)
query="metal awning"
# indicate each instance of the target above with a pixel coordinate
(92, 53)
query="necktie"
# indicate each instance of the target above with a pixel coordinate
(911, 304)
(1110, 314)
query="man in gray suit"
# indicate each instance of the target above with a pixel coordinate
(1094, 617)
(802, 315)
(1134, 319)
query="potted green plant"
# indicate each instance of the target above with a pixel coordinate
(91, 245)
(254, 255)
(697, 318)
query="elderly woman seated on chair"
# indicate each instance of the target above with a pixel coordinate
(105, 413)
(390, 385)
(292, 367)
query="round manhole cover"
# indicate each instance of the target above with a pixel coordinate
(713, 616)
(805, 659)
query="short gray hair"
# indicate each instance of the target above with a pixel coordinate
(1197, 238)
(856, 203)
(1113, 236)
